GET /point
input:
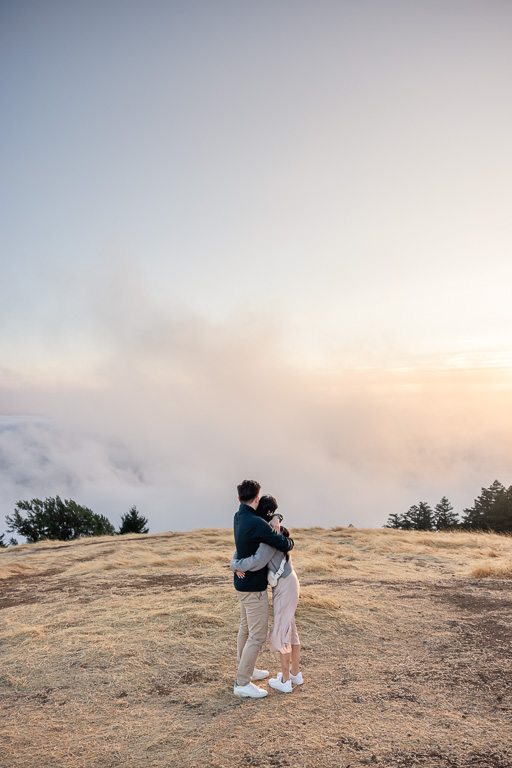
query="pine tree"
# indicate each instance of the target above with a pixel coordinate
(420, 517)
(395, 521)
(500, 519)
(491, 509)
(444, 516)
(133, 522)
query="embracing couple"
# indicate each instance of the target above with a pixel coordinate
(261, 558)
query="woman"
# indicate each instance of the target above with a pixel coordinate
(283, 638)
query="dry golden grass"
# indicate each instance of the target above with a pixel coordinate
(499, 570)
(120, 652)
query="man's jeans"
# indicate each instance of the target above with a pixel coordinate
(252, 633)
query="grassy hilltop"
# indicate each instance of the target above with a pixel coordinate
(120, 652)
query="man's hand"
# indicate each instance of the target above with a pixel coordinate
(240, 574)
(275, 524)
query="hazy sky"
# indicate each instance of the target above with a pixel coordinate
(265, 240)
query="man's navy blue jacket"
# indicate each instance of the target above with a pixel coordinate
(250, 530)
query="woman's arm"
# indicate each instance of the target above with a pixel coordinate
(255, 562)
(262, 532)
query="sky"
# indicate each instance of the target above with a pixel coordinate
(255, 240)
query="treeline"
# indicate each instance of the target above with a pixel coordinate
(66, 520)
(492, 511)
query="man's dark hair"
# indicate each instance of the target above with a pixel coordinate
(248, 490)
(267, 507)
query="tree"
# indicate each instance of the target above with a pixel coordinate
(57, 519)
(419, 517)
(492, 510)
(444, 516)
(395, 521)
(500, 519)
(3, 545)
(133, 522)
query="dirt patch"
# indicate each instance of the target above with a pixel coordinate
(6, 602)
(21, 589)
(29, 589)
(483, 613)
(475, 603)
(174, 581)
(27, 577)
(438, 759)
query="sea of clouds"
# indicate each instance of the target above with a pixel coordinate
(175, 411)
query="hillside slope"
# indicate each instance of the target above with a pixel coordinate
(120, 651)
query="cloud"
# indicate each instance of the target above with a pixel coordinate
(174, 411)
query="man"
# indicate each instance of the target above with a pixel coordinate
(250, 530)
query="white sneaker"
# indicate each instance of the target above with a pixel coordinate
(259, 674)
(250, 690)
(278, 685)
(296, 679)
